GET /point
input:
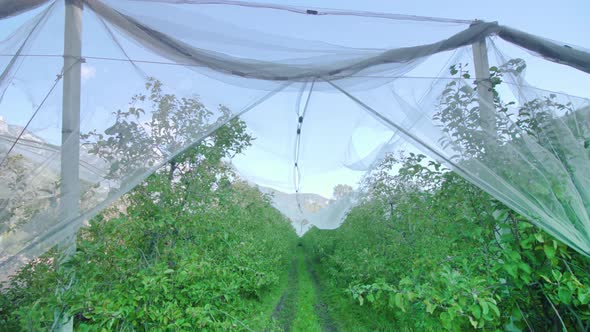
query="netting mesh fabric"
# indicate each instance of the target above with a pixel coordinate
(324, 106)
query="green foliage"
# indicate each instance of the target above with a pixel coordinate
(168, 272)
(430, 251)
(341, 191)
(182, 272)
(305, 317)
(21, 200)
(453, 257)
(197, 249)
(24, 299)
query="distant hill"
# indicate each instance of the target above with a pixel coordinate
(310, 203)
(288, 204)
(316, 210)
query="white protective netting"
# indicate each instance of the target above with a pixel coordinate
(325, 93)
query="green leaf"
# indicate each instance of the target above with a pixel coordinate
(446, 320)
(495, 309)
(430, 307)
(511, 327)
(549, 250)
(485, 307)
(476, 311)
(525, 267)
(399, 301)
(512, 270)
(564, 294)
(557, 275)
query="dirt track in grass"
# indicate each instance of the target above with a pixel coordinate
(300, 307)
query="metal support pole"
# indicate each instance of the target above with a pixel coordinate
(484, 87)
(487, 110)
(70, 133)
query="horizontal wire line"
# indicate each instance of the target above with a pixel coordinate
(343, 77)
(34, 55)
(60, 76)
(194, 65)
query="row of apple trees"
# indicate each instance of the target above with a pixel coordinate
(427, 250)
(191, 248)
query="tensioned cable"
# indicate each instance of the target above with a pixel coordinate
(34, 55)
(59, 77)
(296, 172)
(426, 93)
(297, 169)
(42, 18)
(53, 149)
(10, 80)
(316, 11)
(458, 168)
(300, 118)
(343, 77)
(442, 69)
(120, 46)
(154, 62)
(299, 97)
(194, 65)
(390, 123)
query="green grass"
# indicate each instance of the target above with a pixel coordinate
(306, 318)
(261, 320)
(297, 298)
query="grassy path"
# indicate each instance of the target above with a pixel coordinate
(300, 308)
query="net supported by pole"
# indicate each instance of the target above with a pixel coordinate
(237, 64)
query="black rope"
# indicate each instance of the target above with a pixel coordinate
(300, 118)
